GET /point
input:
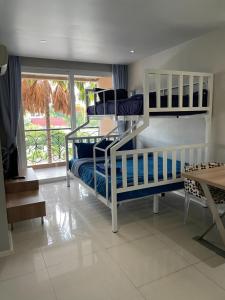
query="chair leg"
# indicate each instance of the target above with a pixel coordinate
(186, 206)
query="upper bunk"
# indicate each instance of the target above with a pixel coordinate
(166, 93)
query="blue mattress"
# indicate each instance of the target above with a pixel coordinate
(85, 171)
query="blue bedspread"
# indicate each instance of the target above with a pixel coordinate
(134, 105)
(85, 170)
(125, 107)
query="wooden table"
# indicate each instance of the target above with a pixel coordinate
(214, 177)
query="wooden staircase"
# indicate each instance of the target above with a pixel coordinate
(23, 198)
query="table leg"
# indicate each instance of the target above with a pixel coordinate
(214, 211)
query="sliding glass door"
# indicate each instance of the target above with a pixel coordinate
(47, 117)
(52, 106)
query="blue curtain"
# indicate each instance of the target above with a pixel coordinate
(10, 102)
(120, 81)
(120, 76)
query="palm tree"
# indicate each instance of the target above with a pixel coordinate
(36, 96)
(61, 97)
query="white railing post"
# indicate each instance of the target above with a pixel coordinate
(165, 165)
(191, 91)
(67, 162)
(145, 165)
(181, 86)
(200, 91)
(174, 164)
(155, 166)
(113, 191)
(135, 168)
(124, 170)
(170, 91)
(158, 94)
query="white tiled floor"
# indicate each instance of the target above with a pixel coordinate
(76, 256)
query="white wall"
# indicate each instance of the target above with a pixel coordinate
(204, 54)
(81, 68)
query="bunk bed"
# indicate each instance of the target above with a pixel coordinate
(116, 171)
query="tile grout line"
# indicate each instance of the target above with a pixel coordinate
(51, 284)
(216, 283)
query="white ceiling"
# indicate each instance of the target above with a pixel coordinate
(104, 30)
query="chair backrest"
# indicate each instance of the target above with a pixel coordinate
(194, 188)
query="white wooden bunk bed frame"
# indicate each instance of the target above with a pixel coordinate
(195, 153)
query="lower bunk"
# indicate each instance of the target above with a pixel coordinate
(84, 169)
(130, 175)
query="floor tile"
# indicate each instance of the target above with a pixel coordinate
(127, 232)
(186, 284)
(33, 286)
(95, 277)
(69, 251)
(181, 240)
(20, 263)
(213, 268)
(147, 259)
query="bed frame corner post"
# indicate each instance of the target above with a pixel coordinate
(156, 204)
(114, 214)
(67, 163)
(113, 192)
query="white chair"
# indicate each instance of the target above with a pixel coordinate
(194, 190)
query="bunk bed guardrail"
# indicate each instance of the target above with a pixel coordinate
(181, 85)
(96, 94)
(182, 81)
(182, 154)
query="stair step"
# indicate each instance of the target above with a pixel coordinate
(29, 183)
(25, 205)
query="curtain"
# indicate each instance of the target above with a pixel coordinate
(120, 81)
(10, 100)
(120, 76)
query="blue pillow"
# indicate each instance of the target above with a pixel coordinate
(84, 150)
(103, 144)
(110, 94)
(127, 146)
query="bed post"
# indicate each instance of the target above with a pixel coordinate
(114, 214)
(113, 191)
(67, 163)
(156, 204)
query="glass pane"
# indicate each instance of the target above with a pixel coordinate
(46, 104)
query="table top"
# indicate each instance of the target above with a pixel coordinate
(214, 176)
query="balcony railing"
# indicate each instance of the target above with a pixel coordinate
(47, 146)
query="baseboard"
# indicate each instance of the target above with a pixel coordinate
(11, 250)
